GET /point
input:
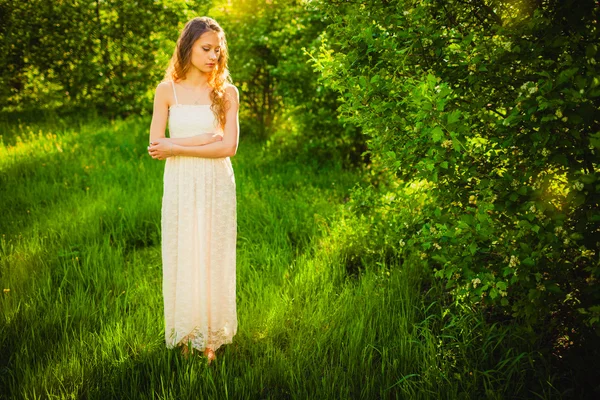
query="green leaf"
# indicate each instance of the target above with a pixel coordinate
(431, 80)
(454, 116)
(524, 224)
(473, 248)
(467, 219)
(437, 134)
(567, 74)
(528, 262)
(493, 293)
(580, 82)
(587, 178)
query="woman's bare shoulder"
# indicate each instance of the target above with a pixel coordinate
(163, 86)
(163, 92)
(232, 91)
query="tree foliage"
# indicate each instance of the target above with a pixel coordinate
(107, 55)
(269, 42)
(491, 108)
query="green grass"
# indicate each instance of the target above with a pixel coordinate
(80, 270)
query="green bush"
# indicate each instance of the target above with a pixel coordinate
(491, 113)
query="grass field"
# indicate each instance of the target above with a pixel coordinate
(80, 270)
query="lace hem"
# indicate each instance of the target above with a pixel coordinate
(213, 340)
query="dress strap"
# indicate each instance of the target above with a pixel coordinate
(174, 93)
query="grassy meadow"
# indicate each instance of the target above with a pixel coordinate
(81, 303)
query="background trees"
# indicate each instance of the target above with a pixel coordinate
(105, 55)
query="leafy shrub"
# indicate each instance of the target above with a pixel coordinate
(493, 113)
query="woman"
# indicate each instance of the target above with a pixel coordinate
(198, 220)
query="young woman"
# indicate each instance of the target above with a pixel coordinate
(198, 219)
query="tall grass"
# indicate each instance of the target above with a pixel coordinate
(80, 270)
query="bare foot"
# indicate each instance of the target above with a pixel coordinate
(210, 355)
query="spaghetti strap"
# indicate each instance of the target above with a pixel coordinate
(174, 93)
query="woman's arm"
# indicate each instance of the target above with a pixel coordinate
(197, 140)
(212, 150)
(160, 112)
(226, 147)
(162, 148)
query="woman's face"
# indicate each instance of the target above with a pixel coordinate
(206, 51)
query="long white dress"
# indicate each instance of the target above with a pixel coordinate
(199, 229)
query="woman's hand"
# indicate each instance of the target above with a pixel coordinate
(210, 137)
(160, 149)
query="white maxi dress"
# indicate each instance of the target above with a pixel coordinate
(199, 228)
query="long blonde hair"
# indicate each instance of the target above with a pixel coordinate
(180, 62)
